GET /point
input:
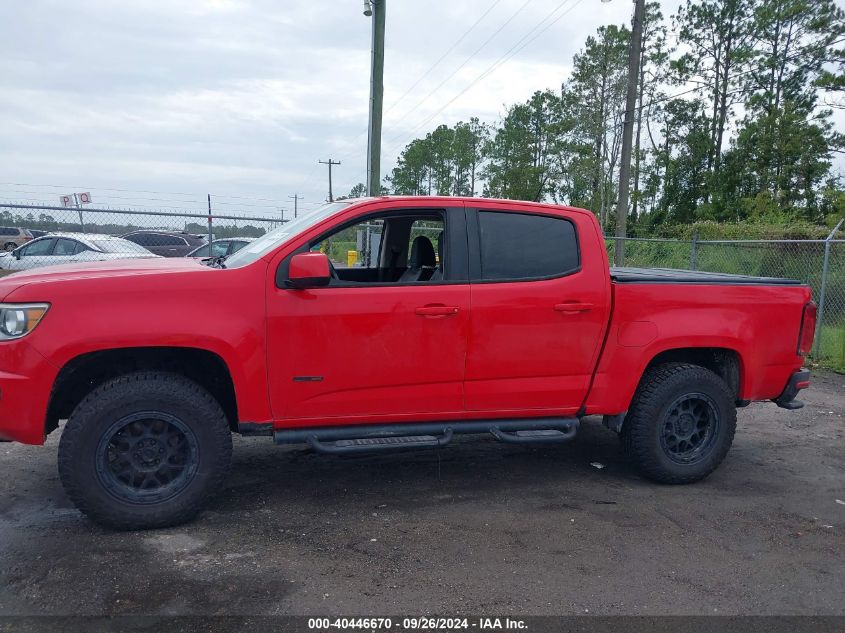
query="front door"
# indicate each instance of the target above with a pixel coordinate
(387, 339)
(538, 312)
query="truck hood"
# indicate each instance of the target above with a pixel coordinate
(92, 270)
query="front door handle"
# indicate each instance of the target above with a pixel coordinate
(436, 311)
(573, 308)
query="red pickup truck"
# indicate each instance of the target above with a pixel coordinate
(384, 324)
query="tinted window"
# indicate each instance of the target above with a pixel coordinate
(38, 247)
(65, 247)
(168, 240)
(7, 231)
(140, 238)
(523, 246)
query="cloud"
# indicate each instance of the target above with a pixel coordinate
(196, 95)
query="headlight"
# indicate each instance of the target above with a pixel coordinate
(17, 320)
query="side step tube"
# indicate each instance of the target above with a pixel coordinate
(345, 440)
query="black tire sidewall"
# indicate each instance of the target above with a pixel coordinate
(645, 427)
(175, 395)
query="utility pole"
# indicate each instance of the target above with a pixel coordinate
(330, 162)
(296, 197)
(628, 130)
(378, 10)
(79, 210)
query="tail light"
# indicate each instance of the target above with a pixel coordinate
(808, 329)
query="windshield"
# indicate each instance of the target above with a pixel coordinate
(119, 246)
(269, 241)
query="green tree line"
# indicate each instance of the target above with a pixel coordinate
(733, 123)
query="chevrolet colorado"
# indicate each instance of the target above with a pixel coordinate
(384, 324)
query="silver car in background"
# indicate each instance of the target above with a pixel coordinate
(71, 248)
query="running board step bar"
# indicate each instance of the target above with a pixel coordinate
(371, 438)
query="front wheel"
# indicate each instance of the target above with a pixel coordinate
(681, 423)
(145, 450)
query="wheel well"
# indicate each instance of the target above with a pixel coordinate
(725, 363)
(82, 374)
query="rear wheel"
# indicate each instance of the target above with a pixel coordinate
(145, 450)
(681, 423)
(10, 246)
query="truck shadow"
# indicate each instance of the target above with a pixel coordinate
(470, 468)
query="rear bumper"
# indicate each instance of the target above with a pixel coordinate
(24, 393)
(798, 381)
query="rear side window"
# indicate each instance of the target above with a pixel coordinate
(65, 247)
(526, 246)
(140, 238)
(4, 230)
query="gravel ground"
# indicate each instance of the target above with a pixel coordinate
(475, 528)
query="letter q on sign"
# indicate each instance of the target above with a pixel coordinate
(85, 198)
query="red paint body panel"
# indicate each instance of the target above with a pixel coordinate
(383, 353)
(526, 354)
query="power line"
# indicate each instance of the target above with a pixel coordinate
(516, 48)
(468, 59)
(443, 56)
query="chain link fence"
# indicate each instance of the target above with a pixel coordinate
(818, 263)
(35, 235)
(32, 236)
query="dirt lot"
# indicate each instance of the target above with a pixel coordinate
(479, 527)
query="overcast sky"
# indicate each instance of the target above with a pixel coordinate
(169, 100)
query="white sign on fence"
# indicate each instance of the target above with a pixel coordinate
(75, 199)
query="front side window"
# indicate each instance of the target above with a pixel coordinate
(356, 246)
(526, 246)
(398, 247)
(38, 248)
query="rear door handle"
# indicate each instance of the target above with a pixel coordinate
(573, 308)
(436, 311)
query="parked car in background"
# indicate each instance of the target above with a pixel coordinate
(70, 248)
(36, 233)
(13, 237)
(166, 243)
(222, 247)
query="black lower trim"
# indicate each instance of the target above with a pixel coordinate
(335, 433)
(787, 400)
(255, 429)
(614, 422)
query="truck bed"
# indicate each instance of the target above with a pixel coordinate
(627, 275)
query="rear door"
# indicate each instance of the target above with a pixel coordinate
(539, 309)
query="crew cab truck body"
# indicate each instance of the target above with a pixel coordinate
(451, 315)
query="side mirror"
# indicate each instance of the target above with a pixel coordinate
(308, 270)
(17, 254)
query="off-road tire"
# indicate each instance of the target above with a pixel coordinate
(647, 421)
(174, 397)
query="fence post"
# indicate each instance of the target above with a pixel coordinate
(210, 233)
(823, 291)
(693, 256)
